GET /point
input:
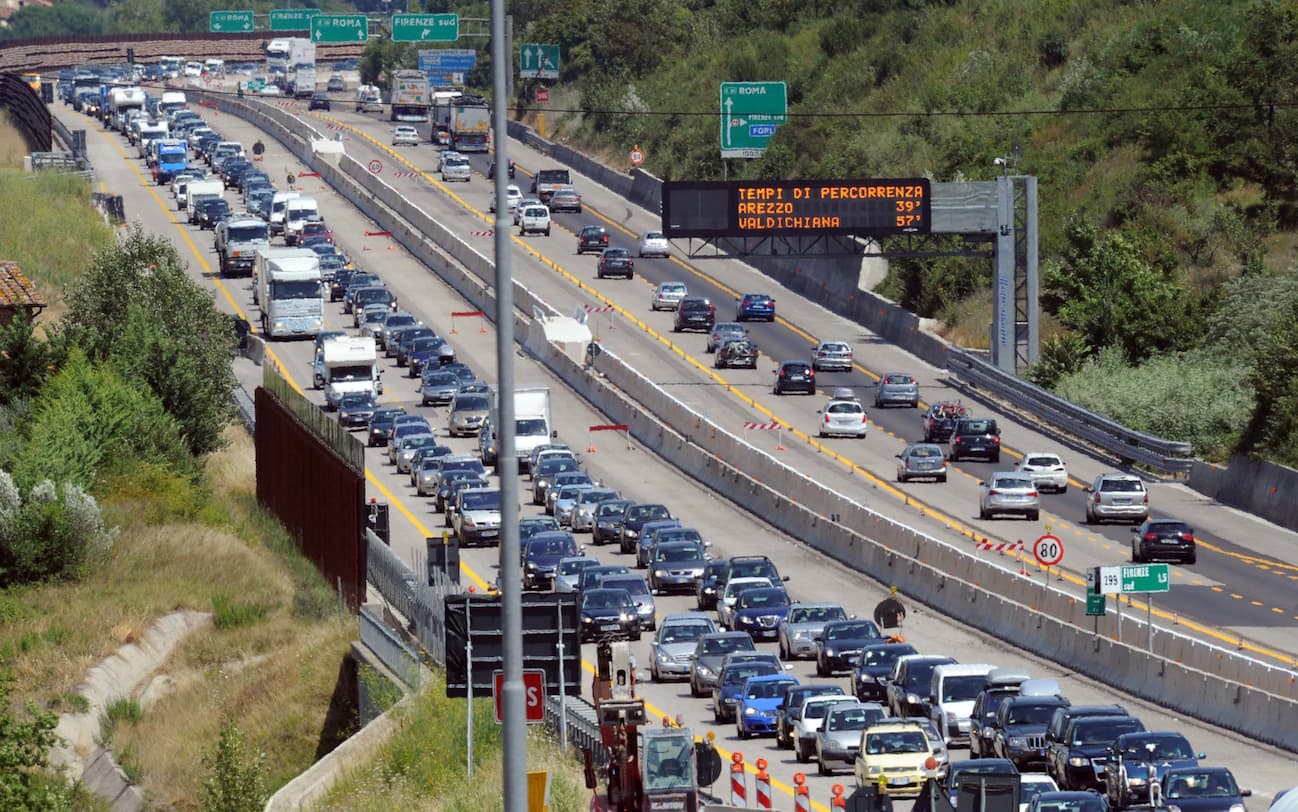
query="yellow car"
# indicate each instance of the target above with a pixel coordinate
(896, 750)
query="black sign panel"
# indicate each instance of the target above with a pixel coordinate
(478, 619)
(765, 208)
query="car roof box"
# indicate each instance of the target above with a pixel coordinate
(1040, 687)
(1007, 678)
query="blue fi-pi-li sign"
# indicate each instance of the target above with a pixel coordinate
(761, 130)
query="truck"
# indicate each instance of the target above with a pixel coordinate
(469, 126)
(409, 96)
(153, 131)
(172, 100)
(122, 100)
(287, 290)
(348, 364)
(532, 425)
(547, 181)
(277, 53)
(237, 242)
(304, 81)
(173, 156)
(441, 103)
(197, 191)
(369, 99)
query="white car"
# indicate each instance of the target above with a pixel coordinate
(513, 195)
(193, 69)
(1046, 469)
(668, 294)
(523, 204)
(844, 417)
(814, 710)
(456, 167)
(534, 219)
(1033, 784)
(654, 244)
(726, 602)
(405, 134)
(269, 90)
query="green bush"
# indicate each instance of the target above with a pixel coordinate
(25, 741)
(49, 534)
(230, 614)
(237, 779)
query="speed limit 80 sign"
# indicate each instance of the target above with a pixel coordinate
(1048, 550)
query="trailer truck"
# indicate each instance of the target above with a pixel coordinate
(348, 364)
(122, 100)
(409, 96)
(469, 124)
(288, 292)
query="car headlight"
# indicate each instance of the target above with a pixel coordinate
(660, 573)
(1078, 761)
(744, 619)
(1175, 808)
(912, 699)
(1018, 741)
(632, 533)
(1233, 808)
(279, 325)
(989, 732)
(587, 620)
(750, 711)
(831, 652)
(664, 658)
(531, 565)
(704, 671)
(1135, 781)
(873, 770)
(628, 616)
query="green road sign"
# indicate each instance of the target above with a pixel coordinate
(1095, 605)
(339, 28)
(230, 20)
(292, 19)
(750, 114)
(254, 85)
(425, 27)
(538, 61)
(1136, 579)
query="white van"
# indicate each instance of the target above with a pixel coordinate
(278, 205)
(299, 212)
(198, 190)
(952, 691)
(193, 69)
(535, 218)
(215, 66)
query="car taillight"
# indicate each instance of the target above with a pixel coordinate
(826, 418)
(1097, 497)
(1033, 494)
(1151, 537)
(993, 492)
(865, 418)
(996, 441)
(1146, 500)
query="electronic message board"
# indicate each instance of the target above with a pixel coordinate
(765, 208)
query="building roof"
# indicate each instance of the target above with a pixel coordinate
(16, 290)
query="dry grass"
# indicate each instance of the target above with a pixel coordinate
(13, 149)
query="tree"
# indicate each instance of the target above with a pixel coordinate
(137, 307)
(59, 20)
(25, 780)
(1272, 429)
(237, 783)
(25, 360)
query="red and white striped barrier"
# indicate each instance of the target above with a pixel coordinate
(595, 310)
(491, 232)
(1000, 546)
(405, 174)
(773, 426)
(801, 795)
(738, 781)
(762, 785)
(468, 314)
(590, 442)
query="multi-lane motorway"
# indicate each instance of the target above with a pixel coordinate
(548, 266)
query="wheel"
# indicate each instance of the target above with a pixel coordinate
(942, 478)
(820, 766)
(877, 404)
(1193, 559)
(820, 668)
(635, 637)
(784, 652)
(983, 514)
(822, 435)
(900, 478)
(547, 231)
(1090, 518)
(798, 752)
(1034, 516)
(694, 689)
(716, 714)
(996, 458)
(1062, 489)
(1135, 556)
(743, 734)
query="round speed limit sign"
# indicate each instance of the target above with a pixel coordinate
(1049, 550)
(376, 166)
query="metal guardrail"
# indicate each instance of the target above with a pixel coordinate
(1161, 454)
(391, 650)
(582, 722)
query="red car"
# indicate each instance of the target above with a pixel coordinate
(312, 229)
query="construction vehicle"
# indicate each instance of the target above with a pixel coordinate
(409, 96)
(646, 768)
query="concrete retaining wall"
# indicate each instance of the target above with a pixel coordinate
(1252, 485)
(1246, 696)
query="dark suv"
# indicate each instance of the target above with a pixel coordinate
(795, 376)
(319, 101)
(1077, 762)
(694, 313)
(975, 437)
(592, 238)
(615, 262)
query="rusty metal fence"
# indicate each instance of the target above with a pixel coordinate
(28, 113)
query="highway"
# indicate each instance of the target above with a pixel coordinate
(634, 472)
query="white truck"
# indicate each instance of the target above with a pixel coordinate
(298, 212)
(409, 96)
(172, 100)
(197, 190)
(369, 99)
(347, 364)
(155, 131)
(532, 425)
(122, 100)
(287, 289)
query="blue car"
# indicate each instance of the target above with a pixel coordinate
(760, 612)
(755, 714)
(730, 684)
(757, 306)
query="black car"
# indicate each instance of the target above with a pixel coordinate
(789, 711)
(592, 238)
(342, 278)
(381, 424)
(742, 353)
(694, 313)
(980, 766)
(211, 212)
(1204, 789)
(637, 516)
(429, 352)
(1020, 725)
(1077, 761)
(1163, 539)
(608, 520)
(542, 554)
(705, 588)
(615, 262)
(871, 669)
(975, 437)
(749, 566)
(319, 101)
(608, 613)
(491, 168)
(840, 642)
(407, 339)
(355, 409)
(795, 376)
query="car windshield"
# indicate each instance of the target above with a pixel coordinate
(575, 566)
(680, 552)
(926, 452)
(606, 599)
(992, 703)
(767, 689)
(1043, 462)
(1095, 804)
(898, 741)
(975, 427)
(683, 632)
(1012, 483)
(851, 631)
(1023, 714)
(963, 688)
(551, 546)
(441, 379)
(818, 710)
(1206, 784)
(647, 513)
(246, 233)
(1159, 748)
(395, 320)
(1102, 732)
(355, 400)
(633, 586)
(845, 408)
(898, 379)
(653, 235)
(1167, 527)
(1122, 485)
(880, 657)
(852, 718)
(472, 403)
(725, 645)
(480, 500)
(530, 427)
(759, 598)
(739, 674)
(816, 614)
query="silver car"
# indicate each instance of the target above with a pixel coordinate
(839, 738)
(1009, 493)
(724, 331)
(583, 512)
(568, 570)
(810, 717)
(404, 134)
(803, 625)
(401, 439)
(565, 502)
(638, 589)
(667, 295)
(438, 386)
(709, 653)
(846, 418)
(467, 414)
(654, 244)
(672, 649)
(1046, 469)
(391, 321)
(477, 516)
(1117, 496)
(921, 461)
(897, 387)
(832, 355)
